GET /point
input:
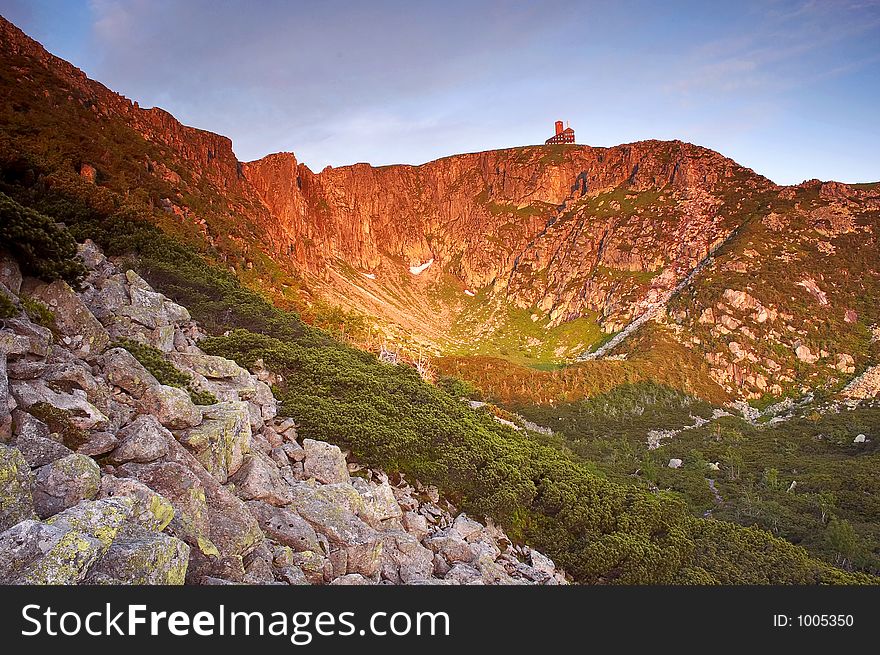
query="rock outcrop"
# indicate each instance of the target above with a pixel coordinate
(108, 476)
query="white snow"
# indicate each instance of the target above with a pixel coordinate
(415, 270)
(369, 276)
(470, 293)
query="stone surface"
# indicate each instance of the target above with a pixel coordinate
(80, 330)
(324, 462)
(16, 488)
(259, 479)
(143, 441)
(149, 509)
(141, 557)
(222, 439)
(284, 526)
(36, 553)
(64, 483)
(98, 519)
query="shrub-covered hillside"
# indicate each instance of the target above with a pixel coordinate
(599, 530)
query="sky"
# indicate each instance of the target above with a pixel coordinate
(790, 88)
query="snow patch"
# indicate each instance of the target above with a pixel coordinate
(369, 276)
(470, 293)
(415, 270)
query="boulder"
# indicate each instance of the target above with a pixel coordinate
(260, 479)
(365, 558)
(171, 406)
(7, 404)
(10, 273)
(149, 509)
(37, 339)
(452, 547)
(404, 559)
(16, 485)
(340, 525)
(860, 438)
(180, 487)
(284, 526)
(81, 413)
(324, 462)
(39, 451)
(81, 332)
(27, 426)
(98, 443)
(142, 441)
(464, 574)
(210, 366)
(142, 557)
(64, 483)
(99, 519)
(35, 553)
(222, 439)
(381, 502)
(675, 463)
(466, 527)
(415, 524)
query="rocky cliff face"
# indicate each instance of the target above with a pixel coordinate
(566, 230)
(111, 477)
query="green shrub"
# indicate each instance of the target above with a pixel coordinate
(164, 371)
(154, 361)
(7, 307)
(43, 248)
(38, 312)
(59, 422)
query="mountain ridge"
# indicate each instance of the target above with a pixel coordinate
(533, 253)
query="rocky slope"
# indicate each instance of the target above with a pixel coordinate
(108, 476)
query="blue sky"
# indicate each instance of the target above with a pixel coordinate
(790, 88)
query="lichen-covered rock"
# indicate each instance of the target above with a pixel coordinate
(39, 451)
(380, 500)
(7, 404)
(222, 439)
(10, 273)
(339, 524)
(81, 332)
(324, 462)
(415, 524)
(36, 553)
(98, 443)
(82, 413)
(64, 483)
(150, 510)
(99, 519)
(259, 479)
(16, 484)
(38, 339)
(171, 406)
(27, 426)
(452, 547)
(183, 489)
(464, 574)
(139, 557)
(404, 559)
(143, 441)
(210, 366)
(284, 526)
